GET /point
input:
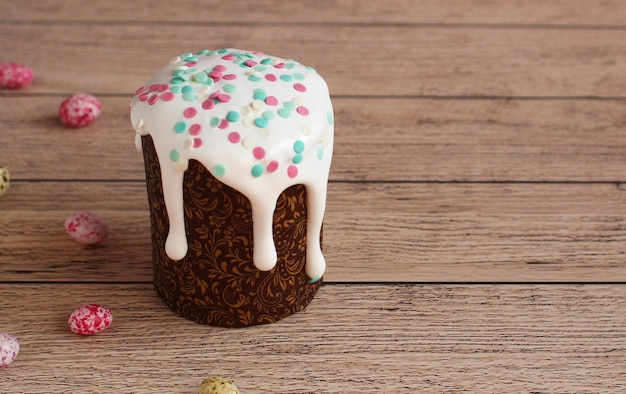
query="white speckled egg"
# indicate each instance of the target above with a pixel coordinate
(9, 348)
(90, 319)
(217, 385)
(4, 180)
(86, 228)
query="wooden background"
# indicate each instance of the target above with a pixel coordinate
(476, 223)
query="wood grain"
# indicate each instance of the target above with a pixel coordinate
(412, 60)
(373, 233)
(389, 139)
(394, 338)
(506, 12)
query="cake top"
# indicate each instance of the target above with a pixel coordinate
(258, 123)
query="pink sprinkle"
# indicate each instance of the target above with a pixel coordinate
(292, 171)
(302, 110)
(228, 57)
(216, 75)
(191, 64)
(273, 166)
(195, 129)
(143, 97)
(141, 89)
(271, 100)
(219, 68)
(224, 124)
(270, 77)
(223, 98)
(230, 77)
(162, 88)
(258, 153)
(190, 112)
(250, 63)
(299, 87)
(208, 104)
(153, 99)
(15, 75)
(154, 87)
(215, 94)
(197, 142)
(167, 96)
(279, 65)
(234, 137)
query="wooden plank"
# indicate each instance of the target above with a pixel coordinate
(376, 140)
(350, 339)
(559, 12)
(372, 233)
(406, 60)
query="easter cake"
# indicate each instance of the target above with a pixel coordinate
(237, 147)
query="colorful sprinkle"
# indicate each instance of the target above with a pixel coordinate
(299, 87)
(190, 112)
(271, 77)
(215, 121)
(258, 153)
(330, 118)
(167, 96)
(286, 77)
(180, 127)
(195, 129)
(302, 110)
(272, 166)
(233, 116)
(257, 170)
(298, 146)
(268, 115)
(297, 159)
(197, 142)
(174, 155)
(292, 171)
(219, 170)
(284, 113)
(208, 104)
(234, 137)
(271, 100)
(320, 153)
(261, 122)
(229, 88)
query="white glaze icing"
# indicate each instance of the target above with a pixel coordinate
(259, 123)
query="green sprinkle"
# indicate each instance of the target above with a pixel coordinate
(320, 153)
(289, 66)
(297, 159)
(223, 50)
(191, 70)
(189, 97)
(232, 116)
(329, 117)
(215, 121)
(174, 155)
(254, 78)
(187, 89)
(219, 170)
(313, 280)
(177, 80)
(200, 77)
(229, 88)
(208, 82)
(180, 127)
(284, 113)
(204, 52)
(191, 58)
(257, 170)
(266, 61)
(269, 115)
(178, 73)
(289, 105)
(298, 146)
(261, 122)
(186, 55)
(286, 78)
(298, 76)
(240, 61)
(259, 94)
(260, 68)
(175, 89)
(311, 69)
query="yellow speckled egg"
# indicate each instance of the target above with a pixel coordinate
(217, 385)
(4, 180)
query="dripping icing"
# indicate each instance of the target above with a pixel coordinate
(259, 123)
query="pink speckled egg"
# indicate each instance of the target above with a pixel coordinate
(15, 75)
(9, 348)
(79, 110)
(86, 228)
(90, 319)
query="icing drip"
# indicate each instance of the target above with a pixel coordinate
(259, 123)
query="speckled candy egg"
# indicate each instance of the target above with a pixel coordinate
(79, 110)
(90, 319)
(4, 180)
(86, 228)
(15, 75)
(217, 385)
(9, 348)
